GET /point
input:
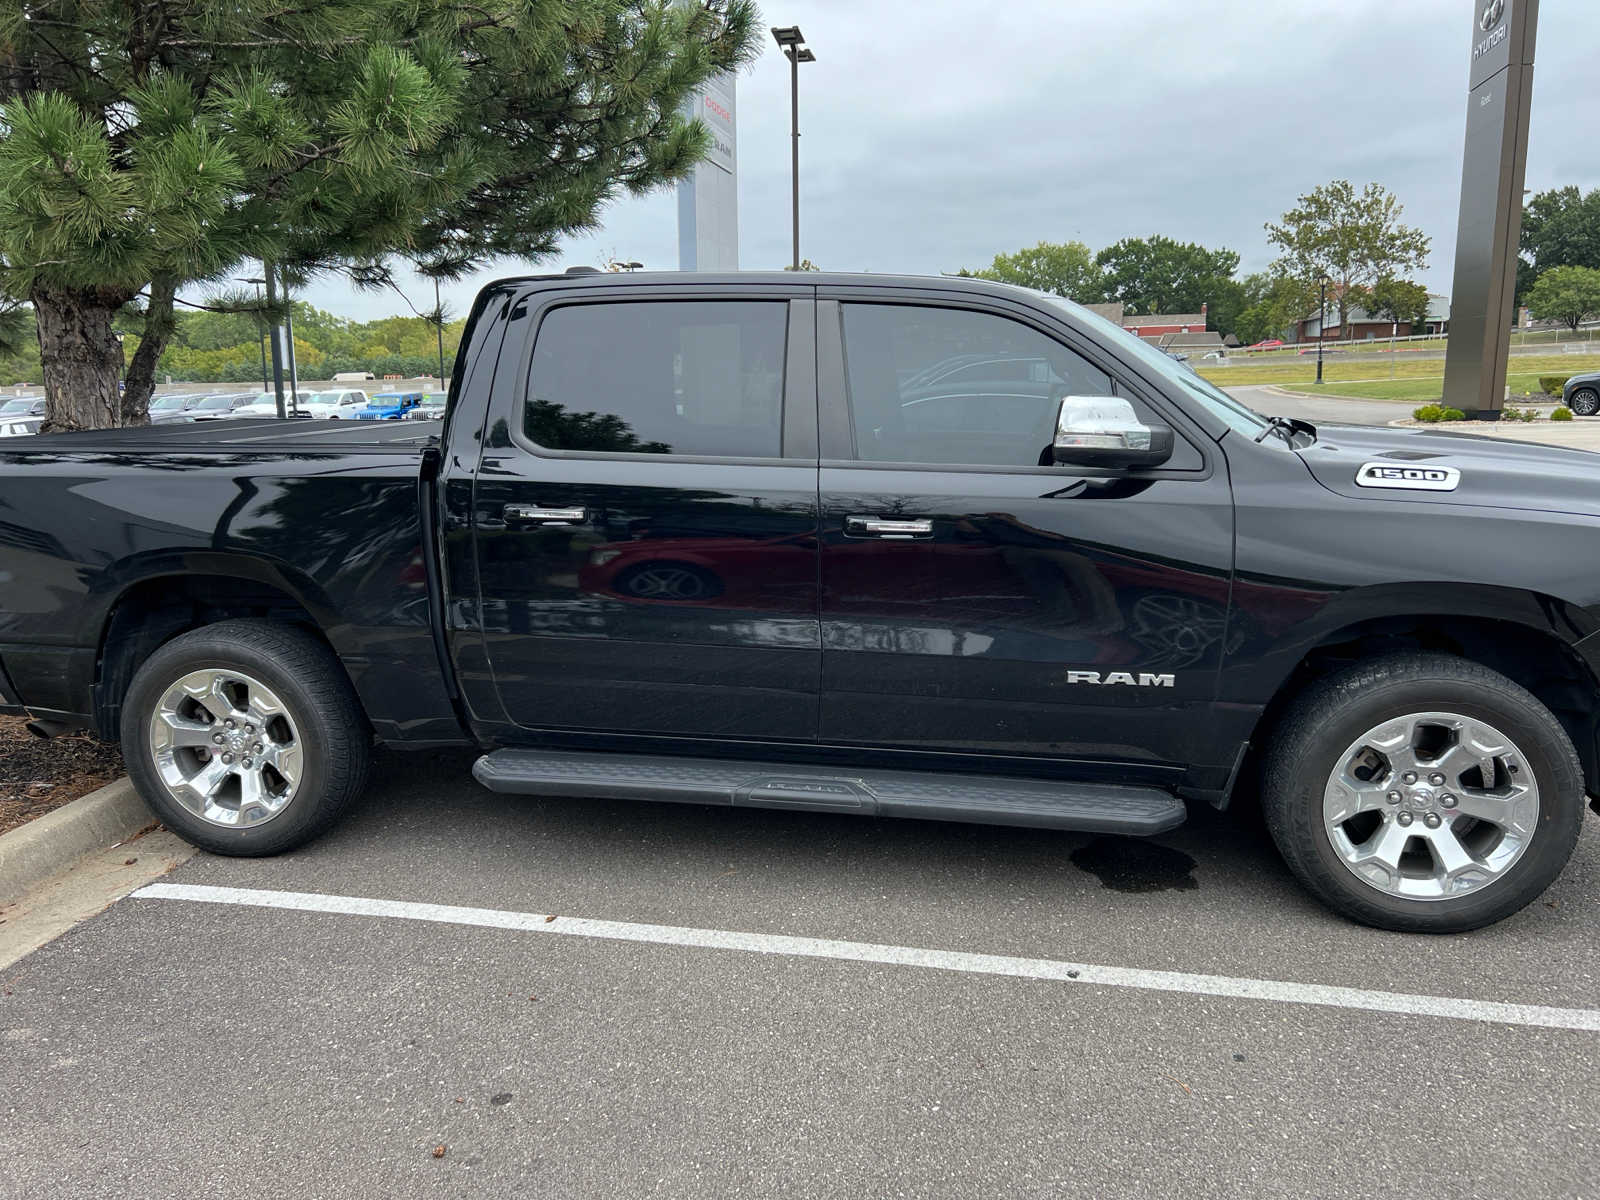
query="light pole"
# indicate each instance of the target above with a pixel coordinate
(1322, 320)
(794, 48)
(261, 333)
(438, 325)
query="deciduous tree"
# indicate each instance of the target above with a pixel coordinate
(1570, 295)
(1064, 268)
(1160, 275)
(1354, 238)
(1560, 228)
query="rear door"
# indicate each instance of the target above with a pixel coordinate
(646, 520)
(976, 601)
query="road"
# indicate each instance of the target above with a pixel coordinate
(1321, 408)
(180, 1047)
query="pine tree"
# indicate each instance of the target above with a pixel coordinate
(148, 146)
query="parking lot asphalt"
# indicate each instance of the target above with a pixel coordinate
(181, 1048)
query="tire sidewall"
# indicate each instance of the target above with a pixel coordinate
(1539, 741)
(160, 672)
(1587, 397)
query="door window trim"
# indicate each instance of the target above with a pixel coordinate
(836, 416)
(799, 370)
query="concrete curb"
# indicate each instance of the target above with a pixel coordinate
(49, 845)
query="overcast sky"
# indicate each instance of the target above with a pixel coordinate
(936, 133)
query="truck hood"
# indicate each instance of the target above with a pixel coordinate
(1494, 472)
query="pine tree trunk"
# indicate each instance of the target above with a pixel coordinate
(81, 356)
(158, 327)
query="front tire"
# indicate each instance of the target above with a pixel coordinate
(245, 737)
(1585, 402)
(1423, 793)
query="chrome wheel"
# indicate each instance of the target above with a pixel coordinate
(1586, 402)
(1431, 806)
(226, 748)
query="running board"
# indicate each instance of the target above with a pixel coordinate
(933, 795)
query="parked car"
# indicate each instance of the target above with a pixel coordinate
(747, 563)
(1582, 394)
(177, 406)
(220, 407)
(387, 406)
(335, 405)
(264, 405)
(431, 409)
(22, 406)
(22, 426)
(1269, 344)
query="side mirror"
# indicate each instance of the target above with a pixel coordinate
(1103, 431)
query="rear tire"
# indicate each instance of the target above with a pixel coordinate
(274, 702)
(1585, 402)
(1377, 794)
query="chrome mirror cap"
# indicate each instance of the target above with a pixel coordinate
(1105, 431)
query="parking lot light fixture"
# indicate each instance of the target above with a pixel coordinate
(261, 330)
(1322, 320)
(792, 41)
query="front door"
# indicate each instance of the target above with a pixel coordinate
(975, 601)
(646, 524)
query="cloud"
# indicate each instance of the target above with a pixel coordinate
(936, 133)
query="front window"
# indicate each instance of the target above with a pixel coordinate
(1221, 405)
(216, 404)
(958, 387)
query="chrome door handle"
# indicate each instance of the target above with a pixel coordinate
(544, 516)
(885, 527)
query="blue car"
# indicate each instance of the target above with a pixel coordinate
(387, 406)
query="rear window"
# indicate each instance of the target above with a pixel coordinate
(660, 377)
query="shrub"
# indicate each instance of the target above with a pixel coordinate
(1433, 413)
(1552, 385)
(1561, 414)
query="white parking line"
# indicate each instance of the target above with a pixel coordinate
(1277, 991)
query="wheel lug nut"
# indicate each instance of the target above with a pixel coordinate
(1448, 801)
(1405, 818)
(251, 729)
(218, 738)
(248, 763)
(1392, 797)
(258, 747)
(227, 758)
(1409, 777)
(1436, 779)
(1432, 820)
(230, 723)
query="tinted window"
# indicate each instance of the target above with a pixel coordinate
(944, 385)
(660, 377)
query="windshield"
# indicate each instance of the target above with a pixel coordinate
(1237, 417)
(216, 403)
(13, 408)
(166, 402)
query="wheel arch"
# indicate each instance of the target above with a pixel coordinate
(148, 608)
(1533, 655)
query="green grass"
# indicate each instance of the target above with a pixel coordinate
(1366, 374)
(1414, 391)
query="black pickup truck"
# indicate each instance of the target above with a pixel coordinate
(889, 546)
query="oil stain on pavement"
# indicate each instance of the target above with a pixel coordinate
(1127, 864)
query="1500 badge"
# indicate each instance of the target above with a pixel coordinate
(1414, 479)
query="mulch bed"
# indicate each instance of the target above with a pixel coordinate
(38, 775)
